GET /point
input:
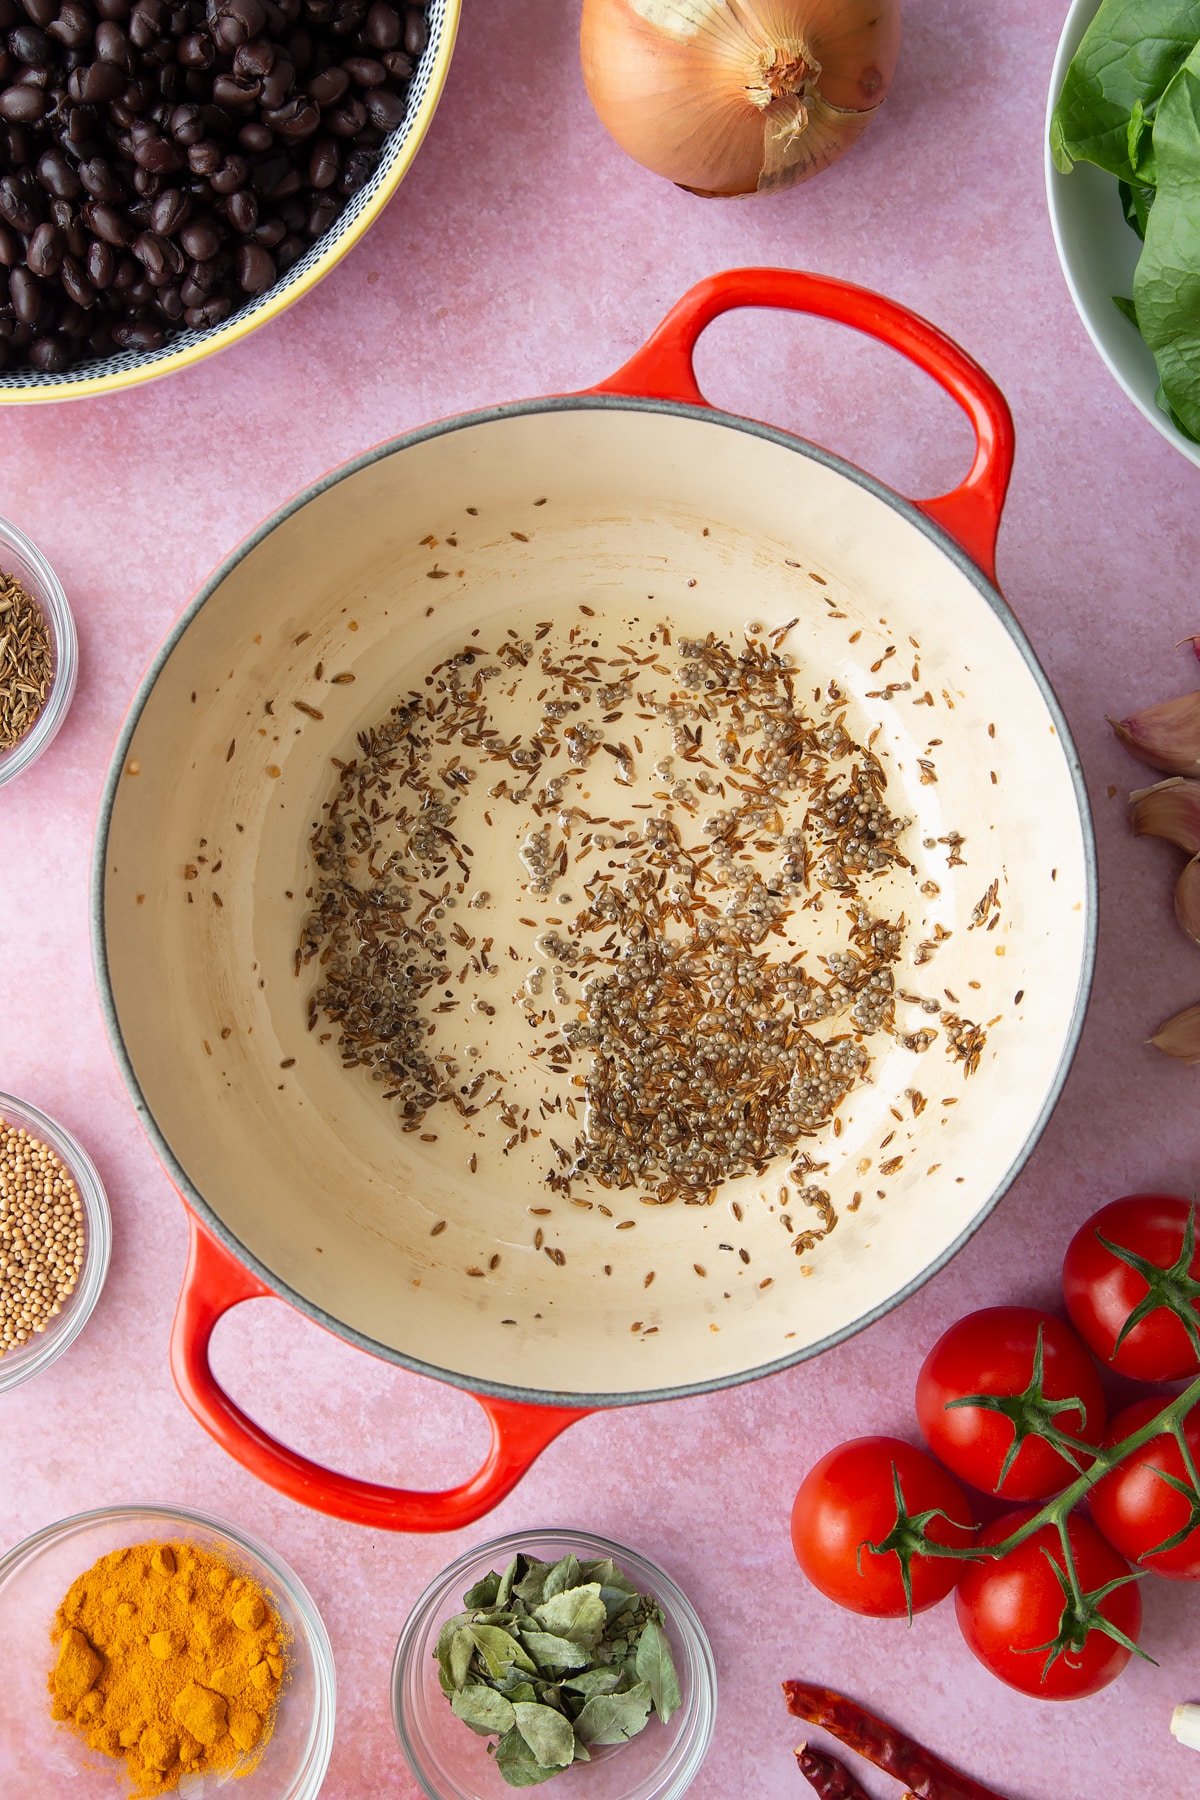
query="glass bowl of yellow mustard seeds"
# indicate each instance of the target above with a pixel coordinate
(25, 576)
(73, 1218)
(42, 1756)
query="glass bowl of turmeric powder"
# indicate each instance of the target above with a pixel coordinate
(150, 1650)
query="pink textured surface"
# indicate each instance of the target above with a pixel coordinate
(525, 254)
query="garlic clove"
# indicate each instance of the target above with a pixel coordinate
(1187, 900)
(1185, 1725)
(1166, 736)
(1180, 1036)
(1170, 810)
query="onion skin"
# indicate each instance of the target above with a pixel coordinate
(727, 97)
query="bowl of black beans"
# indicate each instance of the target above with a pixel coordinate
(173, 173)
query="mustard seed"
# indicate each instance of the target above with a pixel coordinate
(41, 1236)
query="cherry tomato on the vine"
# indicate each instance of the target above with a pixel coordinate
(848, 1500)
(1017, 1616)
(1137, 1509)
(1153, 1266)
(999, 1446)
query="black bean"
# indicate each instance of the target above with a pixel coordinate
(269, 233)
(279, 83)
(140, 334)
(209, 313)
(254, 60)
(196, 50)
(25, 292)
(324, 212)
(296, 119)
(100, 179)
(187, 124)
(323, 164)
(157, 154)
(10, 248)
(146, 185)
(347, 119)
(290, 251)
(357, 172)
(23, 103)
(327, 88)
(205, 157)
(44, 251)
(101, 264)
(41, 12)
(18, 206)
(385, 109)
(235, 91)
(416, 31)
(101, 82)
(255, 268)
(233, 173)
(255, 137)
(243, 211)
(30, 44)
(112, 46)
(107, 223)
(170, 210)
(58, 175)
(170, 303)
(73, 26)
(200, 238)
(291, 183)
(383, 26)
(81, 126)
(76, 284)
(365, 72)
(49, 354)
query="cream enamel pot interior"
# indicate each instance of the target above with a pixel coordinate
(298, 1180)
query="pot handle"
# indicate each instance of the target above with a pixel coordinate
(213, 1282)
(663, 369)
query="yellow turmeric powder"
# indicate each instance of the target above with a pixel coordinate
(169, 1658)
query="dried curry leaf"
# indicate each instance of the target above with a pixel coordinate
(614, 1718)
(578, 1613)
(483, 1709)
(656, 1667)
(548, 1733)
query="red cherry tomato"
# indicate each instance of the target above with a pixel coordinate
(994, 1352)
(1102, 1289)
(848, 1500)
(1136, 1509)
(1011, 1610)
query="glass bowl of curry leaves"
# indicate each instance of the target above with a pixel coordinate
(554, 1655)
(1122, 171)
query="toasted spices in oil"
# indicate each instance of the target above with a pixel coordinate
(706, 915)
(26, 661)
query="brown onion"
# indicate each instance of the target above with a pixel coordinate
(738, 96)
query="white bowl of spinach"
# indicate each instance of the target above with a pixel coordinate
(1123, 185)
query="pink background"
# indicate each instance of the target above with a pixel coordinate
(525, 254)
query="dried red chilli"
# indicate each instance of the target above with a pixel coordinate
(926, 1775)
(827, 1777)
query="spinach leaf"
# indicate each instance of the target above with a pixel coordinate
(1129, 55)
(1136, 201)
(1166, 283)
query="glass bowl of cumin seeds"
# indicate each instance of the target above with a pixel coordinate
(56, 1331)
(39, 653)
